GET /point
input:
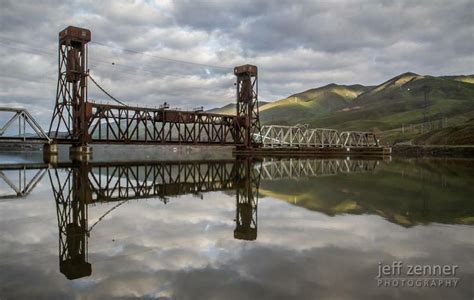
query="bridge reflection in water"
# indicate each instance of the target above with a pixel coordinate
(76, 186)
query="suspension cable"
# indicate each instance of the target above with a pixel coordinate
(105, 92)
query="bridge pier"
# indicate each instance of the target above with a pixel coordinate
(50, 149)
(50, 153)
(80, 153)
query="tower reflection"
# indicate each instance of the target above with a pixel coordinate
(76, 186)
(85, 184)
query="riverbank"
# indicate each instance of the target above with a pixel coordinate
(433, 151)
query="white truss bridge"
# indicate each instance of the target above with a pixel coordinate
(271, 169)
(301, 136)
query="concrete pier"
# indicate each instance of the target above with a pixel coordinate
(50, 153)
(50, 149)
(80, 153)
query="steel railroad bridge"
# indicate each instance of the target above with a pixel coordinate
(80, 122)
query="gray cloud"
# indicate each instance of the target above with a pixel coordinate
(297, 46)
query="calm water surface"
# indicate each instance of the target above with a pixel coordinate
(291, 229)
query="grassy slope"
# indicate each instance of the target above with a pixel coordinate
(310, 104)
(230, 108)
(386, 107)
(401, 101)
(456, 135)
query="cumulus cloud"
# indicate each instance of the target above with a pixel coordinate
(297, 46)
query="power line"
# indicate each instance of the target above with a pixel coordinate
(164, 58)
(40, 52)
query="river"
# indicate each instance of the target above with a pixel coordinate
(237, 229)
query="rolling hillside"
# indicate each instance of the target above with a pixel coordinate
(400, 101)
(310, 104)
(230, 108)
(395, 109)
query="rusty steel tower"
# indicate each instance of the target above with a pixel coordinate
(247, 104)
(70, 116)
(78, 122)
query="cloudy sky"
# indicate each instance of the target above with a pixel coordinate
(182, 52)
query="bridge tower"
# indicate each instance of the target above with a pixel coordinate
(247, 104)
(248, 180)
(72, 198)
(71, 112)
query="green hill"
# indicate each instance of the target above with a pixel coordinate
(230, 109)
(454, 135)
(462, 78)
(310, 104)
(400, 101)
(395, 109)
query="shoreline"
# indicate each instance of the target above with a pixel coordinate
(462, 151)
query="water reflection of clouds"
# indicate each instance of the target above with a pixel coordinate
(147, 248)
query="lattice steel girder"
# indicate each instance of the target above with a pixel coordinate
(247, 105)
(278, 136)
(359, 139)
(272, 169)
(115, 183)
(69, 115)
(247, 201)
(21, 181)
(71, 207)
(108, 182)
(22, 117)
(139, 125)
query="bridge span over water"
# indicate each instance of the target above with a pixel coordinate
(80, 121)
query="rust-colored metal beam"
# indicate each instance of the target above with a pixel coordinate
(79, 122)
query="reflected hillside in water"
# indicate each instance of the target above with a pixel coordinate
(405, 192)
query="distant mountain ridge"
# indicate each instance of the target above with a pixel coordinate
(387, 107)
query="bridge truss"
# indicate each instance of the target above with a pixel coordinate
(272, 169)
(20, 181)
(300, 136)
(79, 121)
(20, 126)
